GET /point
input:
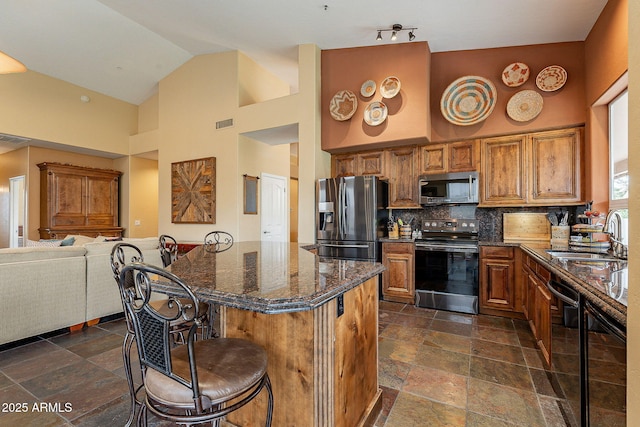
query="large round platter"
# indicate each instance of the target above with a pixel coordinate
(368, 88)
(390, 87)
(515, 74)
(525, 105)
(551, 78)
(343, 105)
(468, 100)
(375, 113)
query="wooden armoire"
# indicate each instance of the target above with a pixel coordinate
(78, 200)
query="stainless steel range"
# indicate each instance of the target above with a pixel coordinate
(446, 265)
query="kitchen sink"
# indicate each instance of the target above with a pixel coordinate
(581, 256)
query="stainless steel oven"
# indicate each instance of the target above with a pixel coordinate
(446, 265)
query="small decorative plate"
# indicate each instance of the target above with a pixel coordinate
(525, 105)
(515, 74)
(468, 100)
(368, 88)
(375, 113)
(343, 105)
(551, 78)
(390, 87)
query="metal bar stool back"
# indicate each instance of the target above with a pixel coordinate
(218, 241)
(168, 249)
(201, 381)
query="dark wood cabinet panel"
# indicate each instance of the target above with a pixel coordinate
(78, 200)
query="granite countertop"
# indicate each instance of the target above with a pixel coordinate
(269, 277)
(605, 284)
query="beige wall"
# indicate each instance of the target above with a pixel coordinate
(633, 313)
(40, 107)
(143, 198)
(229, 85)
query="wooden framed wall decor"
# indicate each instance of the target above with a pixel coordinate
(251, 194)
(193, 191)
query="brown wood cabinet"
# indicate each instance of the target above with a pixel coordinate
(364, 163)
(498, 290)
(402, 164)
(398, 281)
(451, 157)
(555, 167)
(541, 308)
(78, 200)
(542, 168)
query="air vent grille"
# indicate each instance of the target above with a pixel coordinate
(13, 139)
(224, 123)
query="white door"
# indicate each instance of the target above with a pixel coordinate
(273, 208)
(17, 217)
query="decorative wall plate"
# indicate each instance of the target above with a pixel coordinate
(343, 105)
(468, 100)
(515, 74)
(525, 105)
(368, 88)
(390, 87)
(551, 78)
(375, 113)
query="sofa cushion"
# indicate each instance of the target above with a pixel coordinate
(9, 255)
(43, 243)
(102, 247)
(80, 239)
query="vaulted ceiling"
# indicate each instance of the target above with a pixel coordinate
(122, 48)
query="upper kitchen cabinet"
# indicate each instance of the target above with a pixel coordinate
(542, 168)
(502, 171)
(403, 184)
(452, 157)
(353, 164)
(408, 117)
(555, 167)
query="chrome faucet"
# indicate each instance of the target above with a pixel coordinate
(613, 227)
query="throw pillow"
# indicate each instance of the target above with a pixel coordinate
(68, 241)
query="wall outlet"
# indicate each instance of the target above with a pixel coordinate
(136, 222)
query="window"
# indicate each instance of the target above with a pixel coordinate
(619, 158)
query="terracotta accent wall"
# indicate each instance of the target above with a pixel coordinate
(562, 108)
(408, 119)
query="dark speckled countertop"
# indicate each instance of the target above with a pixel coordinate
(270, 277)
(604, 284)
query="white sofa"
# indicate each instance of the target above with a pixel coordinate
(48, 288)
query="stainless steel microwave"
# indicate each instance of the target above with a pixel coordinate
(449, 188)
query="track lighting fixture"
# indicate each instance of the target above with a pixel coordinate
(395, 29)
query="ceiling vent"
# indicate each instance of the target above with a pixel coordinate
(224, 124)
(13, 139)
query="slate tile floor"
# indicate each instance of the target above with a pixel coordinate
(437, 368)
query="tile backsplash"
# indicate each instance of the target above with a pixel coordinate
(490, 219)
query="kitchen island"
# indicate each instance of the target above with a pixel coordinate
(317, 318)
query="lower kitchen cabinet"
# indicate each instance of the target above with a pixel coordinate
(541, 308)
(498, 292)
(398, 281)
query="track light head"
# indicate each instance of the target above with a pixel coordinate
(394, 36)
(395, 29)
(411, 36)
(379, 36)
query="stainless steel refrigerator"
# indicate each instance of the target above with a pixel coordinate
(351, 216)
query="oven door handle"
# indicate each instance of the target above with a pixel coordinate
(562, 297)
(330, 245)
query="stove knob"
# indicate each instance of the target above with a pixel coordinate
(433, 224)
(472, 225)
(464, 225)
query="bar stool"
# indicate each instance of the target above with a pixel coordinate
(218, 241)
(120, 253)
(201, 381)
(168, 249)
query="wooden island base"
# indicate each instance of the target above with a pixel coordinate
(323, 365)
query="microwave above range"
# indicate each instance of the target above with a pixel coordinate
(449, 188)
